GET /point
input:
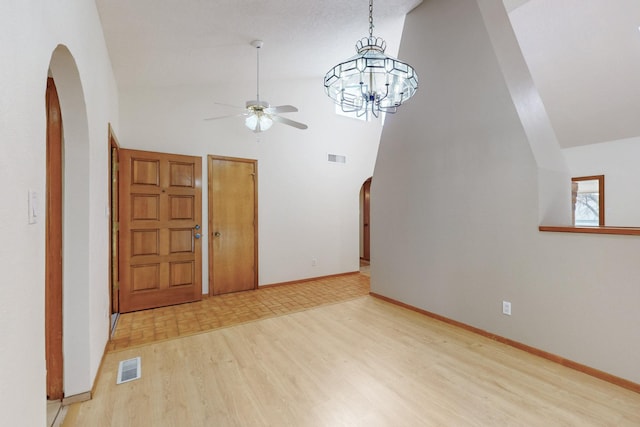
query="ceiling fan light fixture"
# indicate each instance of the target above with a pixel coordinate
(371, 81)
(258, 122)
(259, 115)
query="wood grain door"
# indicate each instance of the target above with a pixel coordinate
(233, 225)
(160, 226)
(366, 220)
(115, 223)
(53, 247)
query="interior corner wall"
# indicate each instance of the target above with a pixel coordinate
(455, 209)
(308, 208)
(30, 33)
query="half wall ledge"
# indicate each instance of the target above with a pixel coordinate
(627, 231)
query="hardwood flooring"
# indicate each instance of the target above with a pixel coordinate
(144, 327)
(361, 362)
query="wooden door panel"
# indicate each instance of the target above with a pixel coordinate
(181, 273)
(181, 241)
(145, 277)
(367, 220)
(181, 174)
(181, 207)
(233, 225)
(145, 172)
(145, 242)
(53, 246)
(160, 250)
(145, 206)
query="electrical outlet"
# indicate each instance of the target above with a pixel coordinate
(314, 262)
(506, 308)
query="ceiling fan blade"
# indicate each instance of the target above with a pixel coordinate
(286, 121)
(282, 109)
(225, 117)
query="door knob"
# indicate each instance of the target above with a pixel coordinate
(217, 234)
(197, 235)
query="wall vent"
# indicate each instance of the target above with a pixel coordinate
(337, 158)
(129, 370)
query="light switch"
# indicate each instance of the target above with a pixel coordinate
(33, 207)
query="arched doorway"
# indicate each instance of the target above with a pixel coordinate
(67, 237)
(53, 246)
(365, 226)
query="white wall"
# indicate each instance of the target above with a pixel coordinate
(456, 204)
(308, 207)
(30, 32)
(618, 162)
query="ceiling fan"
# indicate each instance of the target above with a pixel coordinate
(259, 115)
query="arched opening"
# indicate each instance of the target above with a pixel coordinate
(53, 246)
(73, 201)
(365, 226)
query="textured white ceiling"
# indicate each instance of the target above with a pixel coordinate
(176, 42)
(584, 55)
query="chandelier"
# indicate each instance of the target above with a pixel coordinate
(371, 81)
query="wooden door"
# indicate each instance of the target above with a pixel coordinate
(233, 225)
(53, 246)
(366, 230)
(160, 225)
(113, 190)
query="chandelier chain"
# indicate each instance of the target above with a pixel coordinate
(370, 18)
(371, 82)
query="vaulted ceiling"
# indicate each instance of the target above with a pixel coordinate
(584, 55)
(176, 42)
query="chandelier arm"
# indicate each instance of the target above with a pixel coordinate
(366, 95)
(386, 94)
(374, 110)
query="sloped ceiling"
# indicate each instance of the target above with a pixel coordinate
(584, 55)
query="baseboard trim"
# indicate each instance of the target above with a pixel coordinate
(99, 372)
(621, 382)
(76, 398)
(311, 279)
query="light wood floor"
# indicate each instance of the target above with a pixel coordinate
(363, 362)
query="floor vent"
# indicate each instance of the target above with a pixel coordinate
(129, 370)
(337, 158)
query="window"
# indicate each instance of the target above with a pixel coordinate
(587, 196)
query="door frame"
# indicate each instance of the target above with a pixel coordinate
(54, 247)
(210, 159)
(366, 220)
(113, 147)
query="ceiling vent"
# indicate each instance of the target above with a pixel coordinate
(129, 370)
(337, 158)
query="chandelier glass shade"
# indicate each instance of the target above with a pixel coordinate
(371, 81)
